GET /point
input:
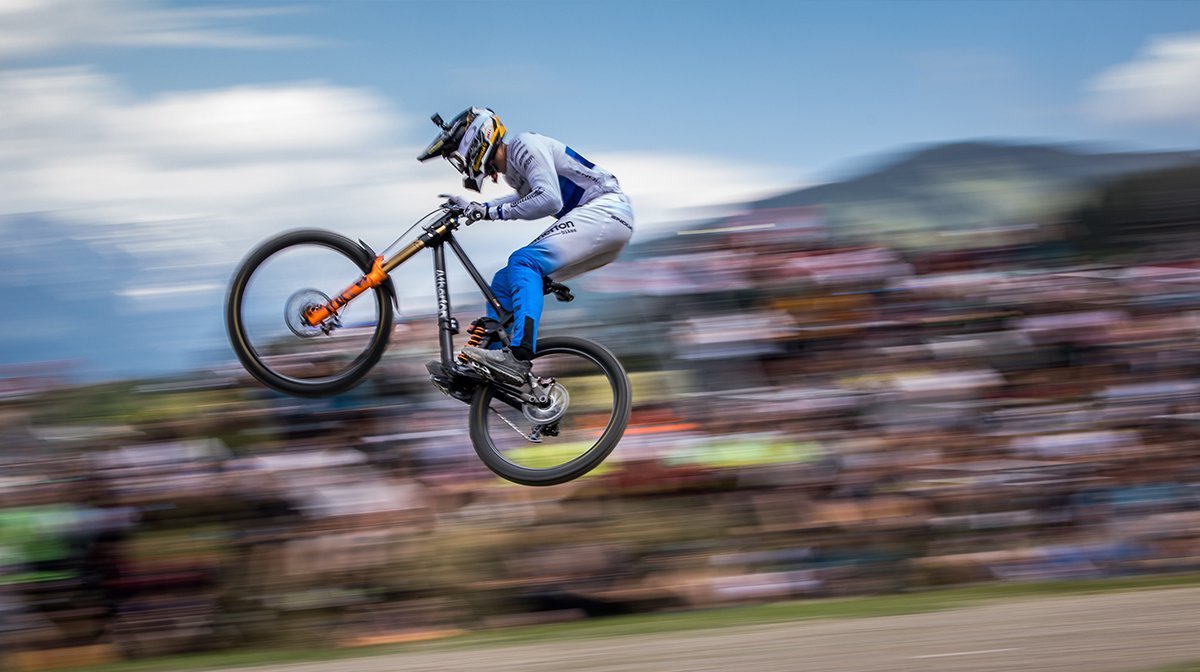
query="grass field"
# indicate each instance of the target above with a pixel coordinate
(888, 605)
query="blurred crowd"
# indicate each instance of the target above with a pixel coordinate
(811, 418)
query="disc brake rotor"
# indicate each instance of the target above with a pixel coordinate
(552, 411)
(298, 305)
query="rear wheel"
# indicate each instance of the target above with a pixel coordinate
(565, 438)
(273, 286)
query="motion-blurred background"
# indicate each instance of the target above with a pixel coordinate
(913, 301)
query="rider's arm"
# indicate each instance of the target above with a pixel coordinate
(545, 198)
(505, 201)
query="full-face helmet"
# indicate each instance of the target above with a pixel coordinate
(468, 142)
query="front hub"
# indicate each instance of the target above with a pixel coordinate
(299, 306)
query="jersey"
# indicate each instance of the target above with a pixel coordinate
(550, 179)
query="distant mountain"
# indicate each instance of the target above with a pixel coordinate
(916, 197)
(69, 302)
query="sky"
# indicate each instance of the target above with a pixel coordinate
(184, 132)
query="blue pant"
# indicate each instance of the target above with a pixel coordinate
(585, 238)
(518, 287)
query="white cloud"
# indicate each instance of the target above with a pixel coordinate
(248, 121)
(34, 27)
(1160, 86)
(666, 187)
(196, 178)
(246, 160)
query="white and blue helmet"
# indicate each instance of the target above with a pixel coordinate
(468, 142)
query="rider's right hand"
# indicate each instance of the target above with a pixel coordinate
(474, 210)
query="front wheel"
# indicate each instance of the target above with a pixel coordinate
(586, 415)
(264, 311)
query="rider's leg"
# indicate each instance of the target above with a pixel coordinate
(503, 292)
(518, 288)
(604, 228)
(526, 268)
(586, 238)
(511, 364)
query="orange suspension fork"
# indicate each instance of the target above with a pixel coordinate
(318, 314)
(378, 273)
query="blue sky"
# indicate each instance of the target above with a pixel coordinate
(843, 78)
(767, 94)
(181, 133)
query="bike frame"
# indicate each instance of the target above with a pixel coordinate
(435, 237)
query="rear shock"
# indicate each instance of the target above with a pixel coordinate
(477, 334)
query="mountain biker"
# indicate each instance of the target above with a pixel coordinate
(593, 218)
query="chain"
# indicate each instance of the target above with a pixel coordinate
(532, 436)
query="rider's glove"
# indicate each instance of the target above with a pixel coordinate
(476, 211)
(472, 209)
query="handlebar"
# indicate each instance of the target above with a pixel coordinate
(455, 211)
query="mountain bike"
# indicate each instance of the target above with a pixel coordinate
(555, 426)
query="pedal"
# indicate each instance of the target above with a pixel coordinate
(560, 291)
(480, 370)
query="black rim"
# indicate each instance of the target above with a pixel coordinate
(254, 360)
(589, 458)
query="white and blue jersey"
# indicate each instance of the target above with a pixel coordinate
(594, 223)
(550, 179)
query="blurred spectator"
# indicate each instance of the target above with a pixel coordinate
(821, 420)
